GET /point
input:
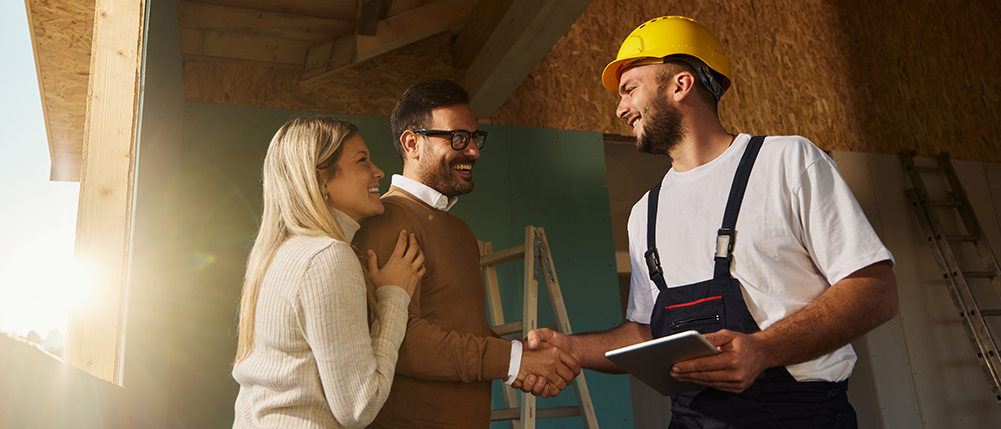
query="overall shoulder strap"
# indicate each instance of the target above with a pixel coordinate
(651, 255)
(726, 234)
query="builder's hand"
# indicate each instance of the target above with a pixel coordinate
(553, 366)
(740, 361)
(538, 385)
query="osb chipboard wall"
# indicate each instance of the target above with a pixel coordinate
(852, 75)
(61, 33)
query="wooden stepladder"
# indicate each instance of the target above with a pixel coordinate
(971, 289)
(538, 263)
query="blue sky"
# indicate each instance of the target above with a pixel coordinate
(37, 217)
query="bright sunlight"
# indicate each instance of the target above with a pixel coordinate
(39, 282)
(40, 285)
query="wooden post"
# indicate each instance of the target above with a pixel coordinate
(95, 333)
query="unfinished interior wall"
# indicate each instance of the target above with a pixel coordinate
(925, 344)
(852, 75)
(150, 360)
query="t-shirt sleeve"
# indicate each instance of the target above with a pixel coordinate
(640, 304)
(356, 365)
(836, 232)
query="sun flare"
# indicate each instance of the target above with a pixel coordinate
(39, 288)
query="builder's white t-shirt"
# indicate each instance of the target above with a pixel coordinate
(799, 231)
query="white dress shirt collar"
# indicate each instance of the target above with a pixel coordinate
(424, 193)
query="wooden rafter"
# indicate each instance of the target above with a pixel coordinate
(516, 43)
(104, 219)
(326, 58)
(344, 10)
(368, 17)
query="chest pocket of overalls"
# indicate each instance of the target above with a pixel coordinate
(693, 307)
(713, 304)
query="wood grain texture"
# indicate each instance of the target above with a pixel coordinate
(369, 88)
(344, 10)
(261, 23)
(852, 75)
(865, 76)
(61, 38)
(104, 218)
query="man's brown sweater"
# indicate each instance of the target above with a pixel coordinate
(449, 355)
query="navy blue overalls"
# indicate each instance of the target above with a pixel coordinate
(775, 399)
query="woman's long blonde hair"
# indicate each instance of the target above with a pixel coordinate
(302, 152)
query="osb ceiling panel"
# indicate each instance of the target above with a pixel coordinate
(62, 31)
(852, 75)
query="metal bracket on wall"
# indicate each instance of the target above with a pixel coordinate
(969, 288)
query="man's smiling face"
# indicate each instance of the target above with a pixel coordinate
(644, 106)
(442, 168)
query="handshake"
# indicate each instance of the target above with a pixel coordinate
(548, 363)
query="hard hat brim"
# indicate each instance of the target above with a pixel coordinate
(610, 77)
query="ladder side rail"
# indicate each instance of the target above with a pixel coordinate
(548, 269)
(971, 222)
(958, 194)
(497, 319)
(529, 319)
(963, 297)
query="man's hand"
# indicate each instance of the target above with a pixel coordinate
(535, 384)
(546, 335)
(546, 370)
(740, 361)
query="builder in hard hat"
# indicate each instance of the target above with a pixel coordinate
(780, 290)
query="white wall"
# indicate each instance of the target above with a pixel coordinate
(925, 371)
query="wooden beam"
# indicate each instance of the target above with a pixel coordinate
(519, 41)
(394, 32)
(399, 6)
(104, 219)
(242, 47)
(344, 10)
(261, 23)
(368, 17)
(486, 15)
(338, 53)
(619, 139)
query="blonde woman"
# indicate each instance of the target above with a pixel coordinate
(318, 335)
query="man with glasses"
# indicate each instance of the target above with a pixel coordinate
(450, 355)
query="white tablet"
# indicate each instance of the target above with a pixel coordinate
(651, 361)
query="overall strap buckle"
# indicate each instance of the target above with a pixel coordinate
(724, 243)
(653, 262)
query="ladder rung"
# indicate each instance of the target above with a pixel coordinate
(510, 331)
(506, 255)
(970, 238)
(946, 203)
(508, 328)
(990, 313)
(929, 170)
(541, 413)
(979, 274)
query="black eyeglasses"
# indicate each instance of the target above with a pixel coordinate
(459, 138)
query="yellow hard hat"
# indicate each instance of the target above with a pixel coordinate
(671, 35)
